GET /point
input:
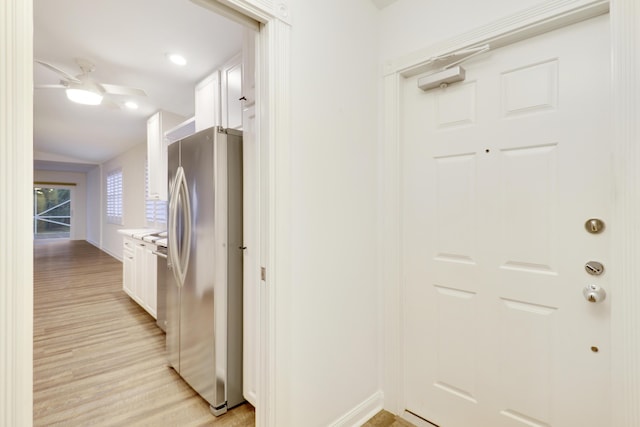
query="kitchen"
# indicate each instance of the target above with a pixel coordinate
(204, 93)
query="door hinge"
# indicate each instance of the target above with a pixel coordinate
(263, 274)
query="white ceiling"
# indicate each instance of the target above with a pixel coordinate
(381, 4)
(127, 41)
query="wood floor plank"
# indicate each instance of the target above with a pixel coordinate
(99, 358)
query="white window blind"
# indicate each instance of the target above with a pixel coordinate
(155, 210)
(114, 196)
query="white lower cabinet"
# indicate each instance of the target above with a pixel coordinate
(151, 279)
(139, 273)
(128, 267)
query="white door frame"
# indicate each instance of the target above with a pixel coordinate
(16, 185)
(625, 271)
(16, 181)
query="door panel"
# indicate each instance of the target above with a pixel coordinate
(499, 174)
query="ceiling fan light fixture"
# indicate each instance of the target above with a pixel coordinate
(131, 105)
(84, 96)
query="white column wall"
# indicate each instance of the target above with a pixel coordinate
(16, 188)
(333, 370)
(625, 322)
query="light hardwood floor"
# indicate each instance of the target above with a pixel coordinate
(99, 358)
(387, 419)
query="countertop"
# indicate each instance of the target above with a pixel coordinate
(139, 233)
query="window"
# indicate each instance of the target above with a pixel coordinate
(52, 212)
(155, 210)
(114, 197)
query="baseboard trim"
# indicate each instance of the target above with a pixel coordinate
(96, 244)
(119, 258)
(361, 413)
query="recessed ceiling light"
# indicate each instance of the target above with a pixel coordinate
(131, 105)
(177, 59)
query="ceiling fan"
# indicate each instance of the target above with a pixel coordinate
(82, 88)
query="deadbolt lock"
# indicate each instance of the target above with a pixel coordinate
(594, 268)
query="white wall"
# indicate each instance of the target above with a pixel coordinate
(94, 206)
(78, 197)
(333, 311)
(132, 163)
(408, 26)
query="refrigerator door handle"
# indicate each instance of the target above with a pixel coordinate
(180, 250)
(186, 208)
(174, 244)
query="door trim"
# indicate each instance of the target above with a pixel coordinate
(16, 183)
(625, 321)
(625, 273)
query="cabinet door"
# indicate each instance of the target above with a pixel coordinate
(154, 156)
(157, 125)
(207, 95)
(231, 93)
(140, 273)
(128, 272)
(249, 66)
(150, 283)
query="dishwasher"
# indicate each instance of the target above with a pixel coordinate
(161, 314)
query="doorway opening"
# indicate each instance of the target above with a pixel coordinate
(52, 212)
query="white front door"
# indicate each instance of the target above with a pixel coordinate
(499, 174)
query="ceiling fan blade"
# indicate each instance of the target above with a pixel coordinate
(122, 90)
(49, 87)
(63, 73)
(111, 105)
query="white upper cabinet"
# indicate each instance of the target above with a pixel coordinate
(231, 85)
(157, 125)
(219, 97)
(249, 67)
(207, 95)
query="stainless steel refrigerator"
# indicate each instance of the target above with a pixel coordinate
(204, 288)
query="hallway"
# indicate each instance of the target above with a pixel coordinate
(99, 358)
